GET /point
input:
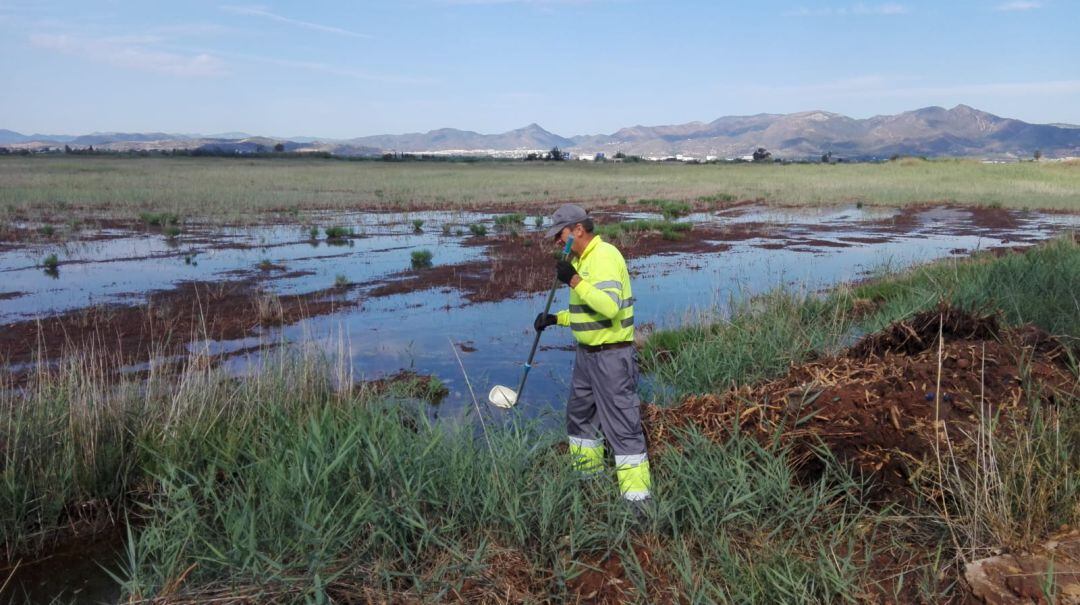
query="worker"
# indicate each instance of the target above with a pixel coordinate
(603, 405)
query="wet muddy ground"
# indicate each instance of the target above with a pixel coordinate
(221, 294)
(224, 295)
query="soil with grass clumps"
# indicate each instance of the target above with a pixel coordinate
(891, 402)
(165, 324)
(524, 264)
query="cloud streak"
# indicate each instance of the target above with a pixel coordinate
(330, 69)
(131, 52)
(533, 2)
(887, 9)
(261, 11)
(1018, 5)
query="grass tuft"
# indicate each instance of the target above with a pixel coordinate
(338, 232)
(421, 259)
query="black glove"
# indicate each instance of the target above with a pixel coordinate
(544, 320)
(565, 271)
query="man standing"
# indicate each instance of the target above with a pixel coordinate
(603, 403)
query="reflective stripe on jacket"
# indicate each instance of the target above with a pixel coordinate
(602, 305)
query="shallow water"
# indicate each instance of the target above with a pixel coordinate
(437, 331)
(430, 330)
(77, 573)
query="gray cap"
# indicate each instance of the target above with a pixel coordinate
(566, 216)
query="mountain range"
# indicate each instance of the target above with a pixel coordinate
(930, 131)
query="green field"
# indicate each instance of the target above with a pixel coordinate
(232, 189)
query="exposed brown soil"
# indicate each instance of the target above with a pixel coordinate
(864, 240)
(878, 408)
(988, 217)
(523, 264)
(1023, 578)
(168, 321)
(602, 580)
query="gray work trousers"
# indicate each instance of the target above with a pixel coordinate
(604, 401)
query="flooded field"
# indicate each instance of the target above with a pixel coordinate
(229, 293)
(348, 286)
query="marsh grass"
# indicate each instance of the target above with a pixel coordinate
(1020, 481)
(717, 198)
(760, 337)
(159, 219)
(295, 484)
(1017, 489)
(372, 498)
(421, 259)
(236, 189)
(509, 221)
(623, 230)
(338, 232)
(670, 209)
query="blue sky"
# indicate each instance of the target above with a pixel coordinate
(346, 69)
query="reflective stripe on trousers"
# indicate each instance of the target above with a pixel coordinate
(634, 477)
(587, 455)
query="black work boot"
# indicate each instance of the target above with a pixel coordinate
(641, 510)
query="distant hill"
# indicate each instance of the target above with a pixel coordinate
(930, 131)
(10, 136)
(531, 137)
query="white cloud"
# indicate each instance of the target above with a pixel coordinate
(131, 52)
(1019, 5)
(888, 8)
(261, 11)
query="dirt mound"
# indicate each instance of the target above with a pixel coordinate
(920, 333)
(876, 407)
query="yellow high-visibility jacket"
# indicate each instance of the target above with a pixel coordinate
(602, 305)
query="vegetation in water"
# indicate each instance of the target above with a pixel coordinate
(421, 259)
(338, 232)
